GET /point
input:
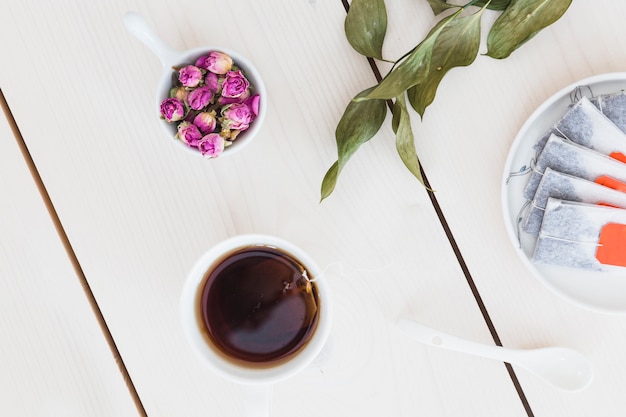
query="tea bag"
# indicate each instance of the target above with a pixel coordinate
(613, 106)
(573, 159)
(555, 184)
(582, 235)
(585, 124)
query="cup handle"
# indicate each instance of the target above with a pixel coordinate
(258, 400)
(138, 26)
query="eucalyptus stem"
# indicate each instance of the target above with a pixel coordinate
(471, 3)
(413, 79)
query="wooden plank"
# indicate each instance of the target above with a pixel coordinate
(55, 358)
(463, 142)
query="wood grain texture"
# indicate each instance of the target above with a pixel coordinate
(463, 142)
(55, 359)
(138, 212)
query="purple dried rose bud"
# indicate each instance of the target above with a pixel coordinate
(200, 97)
(236, 116)
(190, 76)
(205, 122)
(253, 103)
(216, 62)
(235, 84)
(213, 82)
(212, 145)
(172, 109)
(222, 101)
(189, 133)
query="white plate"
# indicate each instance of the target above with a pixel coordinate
(600, 291)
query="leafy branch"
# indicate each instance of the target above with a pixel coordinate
(454, 41)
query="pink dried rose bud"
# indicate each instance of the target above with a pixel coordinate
(211, 145)
(189, 133)
(253, 103)
(235, 84)
(200, 97)
(205, 122)
(172, 109)
(213, 82)
(236, 116)
(190, 76)
(222, 101)
(216, 62)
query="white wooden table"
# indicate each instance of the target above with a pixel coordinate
(101, 217)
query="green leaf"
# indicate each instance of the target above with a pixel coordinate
(366, 25)
(414, 69)
(405, 142)
(395, 119)
(440, 6)
(522, 20)
(359, 123)
(456, 46)
(493, 4)
(330, 180)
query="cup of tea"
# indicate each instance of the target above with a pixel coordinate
(256, 309)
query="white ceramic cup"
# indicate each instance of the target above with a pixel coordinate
(171, 57)
(194, 328)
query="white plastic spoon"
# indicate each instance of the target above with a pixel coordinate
(562, 367)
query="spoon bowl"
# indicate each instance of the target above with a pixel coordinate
(171, 57)
(562, 367)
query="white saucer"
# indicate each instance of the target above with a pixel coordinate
(600, 291)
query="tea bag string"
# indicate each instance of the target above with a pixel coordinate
(578, 93)
(322, 273)
(522, 171)
(535, 206)
(341, 264)
(563, 135)
(520, 218)
(563, 239)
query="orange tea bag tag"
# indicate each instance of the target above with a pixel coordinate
(611, 183)
(612, 245)
(619, 156)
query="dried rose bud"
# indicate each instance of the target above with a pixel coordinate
(253, 103)
(205, 122)
(189, 133)
(199, 98)
(172, 109)
(216, 62)
(179, 93)
(213, 82)
(235, 84)
(212, 145)
(236, 116)
(190, 76)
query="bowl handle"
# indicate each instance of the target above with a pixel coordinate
(138, 26)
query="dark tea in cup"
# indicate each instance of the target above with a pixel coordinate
(259, 305)
(256, 309)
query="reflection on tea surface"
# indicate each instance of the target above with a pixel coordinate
(259, 306)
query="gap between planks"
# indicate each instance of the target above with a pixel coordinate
(70, 253)
(459, 256)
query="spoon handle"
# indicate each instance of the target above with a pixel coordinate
(138, 26)
(437, 338)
